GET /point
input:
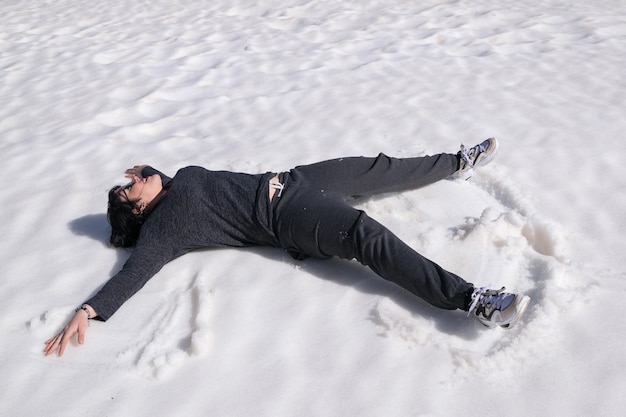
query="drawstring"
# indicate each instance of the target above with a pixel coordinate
(277, 186)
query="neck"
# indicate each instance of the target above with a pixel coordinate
(155, 201)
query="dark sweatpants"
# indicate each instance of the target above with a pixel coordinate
(313, 219)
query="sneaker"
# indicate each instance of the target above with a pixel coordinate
(471, 158)
(497, 308)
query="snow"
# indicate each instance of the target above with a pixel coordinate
(91, 88)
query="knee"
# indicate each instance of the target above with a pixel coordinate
(370, 239)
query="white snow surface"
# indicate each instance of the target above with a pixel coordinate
(89, 88)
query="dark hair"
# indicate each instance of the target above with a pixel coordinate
(124, 219)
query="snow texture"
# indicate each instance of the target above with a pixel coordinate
(90, 88)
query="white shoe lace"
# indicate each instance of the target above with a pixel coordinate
(479, 294)
(464, 156)
(468, 154)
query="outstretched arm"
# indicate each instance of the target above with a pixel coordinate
(77, 325)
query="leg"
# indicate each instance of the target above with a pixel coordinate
(362, 177)
(375, 246)
(307, 225)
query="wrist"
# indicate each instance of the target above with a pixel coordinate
(89, 311)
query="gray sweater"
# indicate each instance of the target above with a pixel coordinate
(202, 209)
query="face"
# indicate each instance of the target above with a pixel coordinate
(141, 190)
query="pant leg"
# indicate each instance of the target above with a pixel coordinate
(363, 176)
(309, 224)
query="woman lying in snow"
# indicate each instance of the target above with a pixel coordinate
(303, 211)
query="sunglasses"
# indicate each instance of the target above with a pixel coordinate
(123, 190)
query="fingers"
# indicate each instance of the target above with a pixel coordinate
(78, 324)
(134, 171)
(81, 335)
(64, 340)
(53, 343)
(130, 173)
(57, 342)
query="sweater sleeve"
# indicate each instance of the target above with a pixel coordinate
(142, 265)
(149, 171)
(148, 257)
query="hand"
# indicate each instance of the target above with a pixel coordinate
(134, 171)
(78, 324)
